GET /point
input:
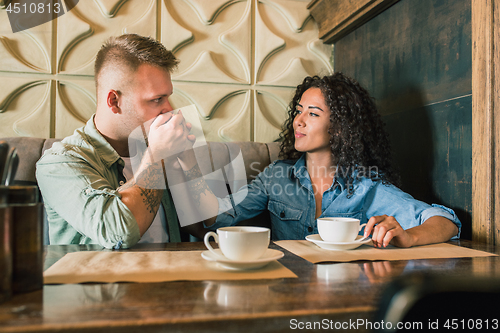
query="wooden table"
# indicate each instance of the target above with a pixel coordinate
(336, 292)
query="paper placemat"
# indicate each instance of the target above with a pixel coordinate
(156, 266)
(313, 253)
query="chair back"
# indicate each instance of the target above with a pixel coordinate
(432, 302)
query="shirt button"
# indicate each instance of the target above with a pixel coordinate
(310, 229)
(282, 214)
(87, 191)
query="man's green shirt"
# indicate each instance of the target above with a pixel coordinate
(78, 178)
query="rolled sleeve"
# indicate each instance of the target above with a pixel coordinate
(83, 207)
(439, 210)
(249, 201)
(409, 212)
(117, 226)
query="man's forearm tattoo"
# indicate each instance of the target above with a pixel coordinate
(196, 183)
(151, 183)
(151, 199)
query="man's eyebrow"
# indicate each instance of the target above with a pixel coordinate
(159, 95)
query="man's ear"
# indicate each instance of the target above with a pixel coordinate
(112, 101)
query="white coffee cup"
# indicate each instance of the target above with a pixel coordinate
(338, 229)
(338, 272)
(240, 243)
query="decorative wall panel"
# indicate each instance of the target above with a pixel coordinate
(28, 51)
(240, 63)
(81, 31)
(75, 103)
(25, 107)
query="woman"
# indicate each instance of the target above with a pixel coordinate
(336, 162)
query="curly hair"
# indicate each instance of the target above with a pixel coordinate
(358, 140)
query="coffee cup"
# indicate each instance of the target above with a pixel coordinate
(338, 272)
(338, 229)
(240, 243)
(234, 295)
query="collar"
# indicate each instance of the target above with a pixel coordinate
(340, 181)
(105, 151)
(299, 171)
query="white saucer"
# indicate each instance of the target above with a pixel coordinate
(267, 257)
(316, 239)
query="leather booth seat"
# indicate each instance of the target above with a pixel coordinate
(226, 156)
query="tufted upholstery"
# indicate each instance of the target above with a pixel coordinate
(256, 157)
(29, 150)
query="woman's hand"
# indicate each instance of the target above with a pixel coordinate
(385, 229)
(382, 271)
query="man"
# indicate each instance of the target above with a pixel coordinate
(91, 193)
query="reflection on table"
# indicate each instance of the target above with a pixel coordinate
(335, 292)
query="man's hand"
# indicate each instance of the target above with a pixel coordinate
(169, 136)
(190, 137)
(387, 230)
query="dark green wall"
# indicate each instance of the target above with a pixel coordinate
(415, 59)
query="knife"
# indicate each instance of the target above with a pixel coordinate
(12, 169)
(7, 171)
(4, 150)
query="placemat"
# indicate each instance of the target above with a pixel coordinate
(156, 266)
(315, 254)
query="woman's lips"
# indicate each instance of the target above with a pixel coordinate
(299, 135)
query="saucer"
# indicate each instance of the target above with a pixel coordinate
(267, 257)
(316, 239)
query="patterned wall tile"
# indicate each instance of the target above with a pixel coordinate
(224, 112)
(220, 48)
(270, 105)
(25, 106)
(284, 31)
(81, 32)
(28, 51)
(240, 62)
(75, 103)
(172, 34)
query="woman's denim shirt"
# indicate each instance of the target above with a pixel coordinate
(284, 188)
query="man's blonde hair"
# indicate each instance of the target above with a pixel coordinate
(131, 51)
